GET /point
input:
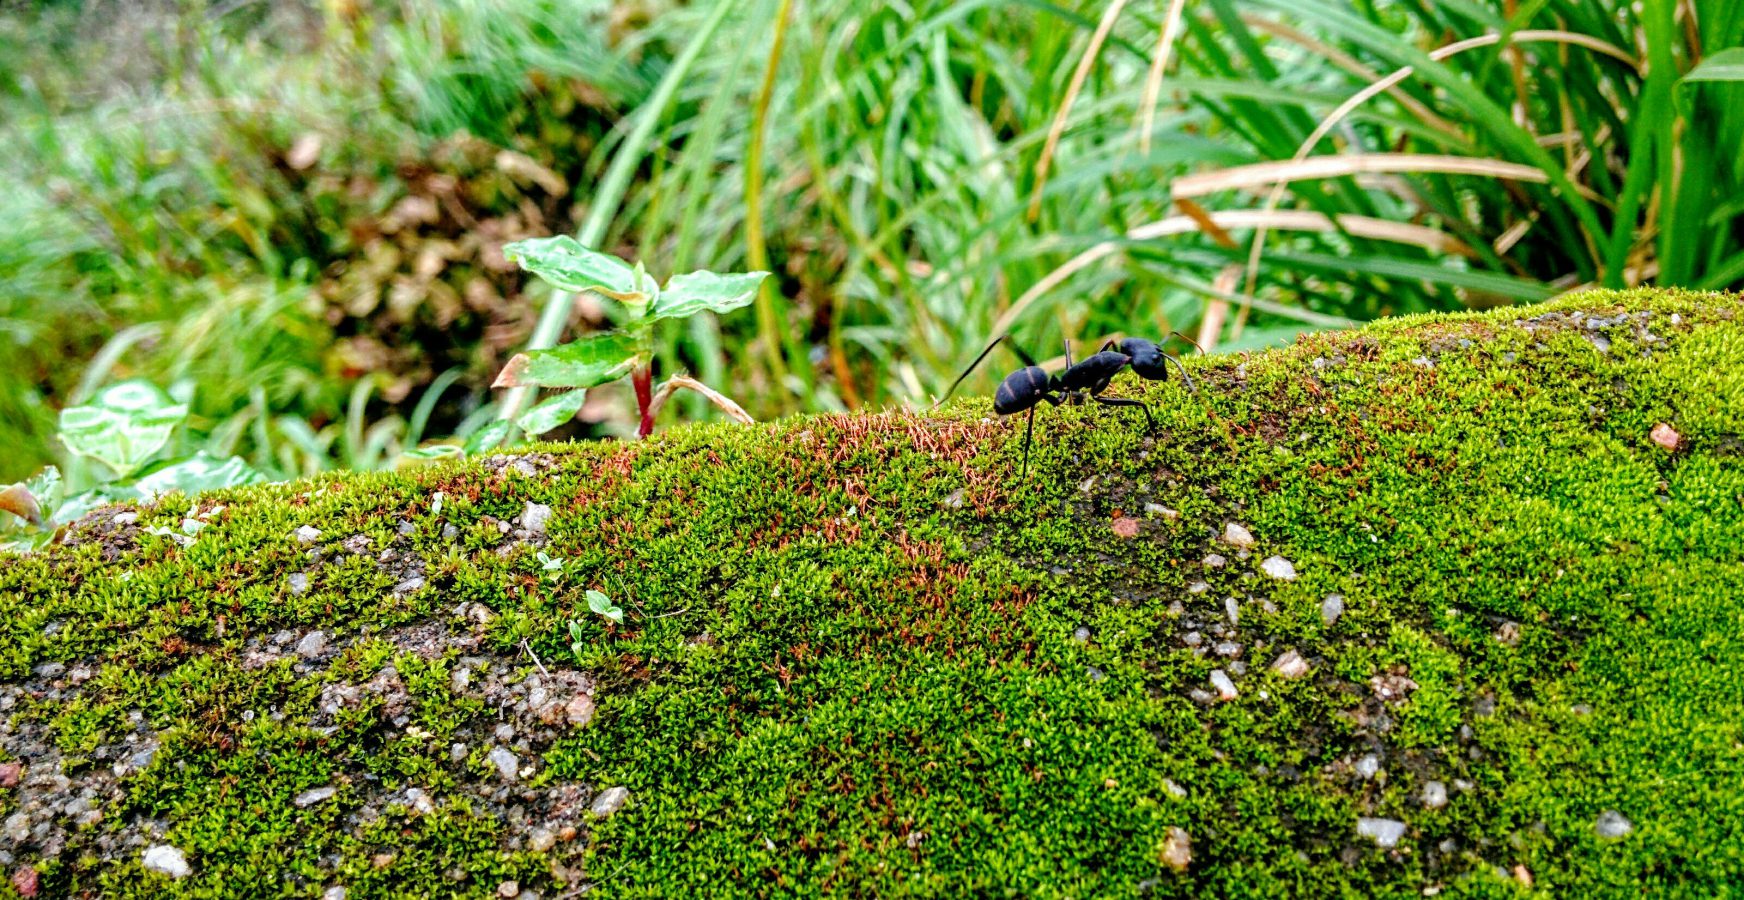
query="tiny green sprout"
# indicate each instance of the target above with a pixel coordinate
(577, 643)
(548, 563)
(602, 605)
(607, 356)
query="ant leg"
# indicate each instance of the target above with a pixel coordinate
(1121, 401)
(1028, 430)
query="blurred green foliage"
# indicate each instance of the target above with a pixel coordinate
(302, 209)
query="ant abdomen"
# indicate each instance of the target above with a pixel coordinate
(1021, 390)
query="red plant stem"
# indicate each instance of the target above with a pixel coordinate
(644, 381)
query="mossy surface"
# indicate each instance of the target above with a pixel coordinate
(861, 656)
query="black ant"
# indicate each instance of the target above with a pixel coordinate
(1028, 387)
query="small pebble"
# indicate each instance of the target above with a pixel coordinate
(508, 890)
(11, 773)
(1331, 608)
(610, 801)
(508, 765)
(1215, 561)
(1192, 639)
(1157, 509)
(308, 534)
(313, 796)
(1368, 767)
(540, 840)
(1125, 527)
(1174, 789)
(1177, 849)
(1198, 587)
(335, 892)
(1279, 568)
(1290, 665)
(25, 881)
(457, 752)
(419, 801)
(1081, 634)
(535, 516)
(1666, 436)
(1435, 795)
(1095, 673)
(312, 644)
(1225, 687)
(1228, 649)
(1612, 825)
(299, 582)
(505, 732)
(955, 500)
(1385, 832)
(1237, 536)
(167, 860)
(1232, 609)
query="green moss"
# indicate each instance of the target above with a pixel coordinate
(848, 663)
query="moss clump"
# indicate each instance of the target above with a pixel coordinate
(861, 656)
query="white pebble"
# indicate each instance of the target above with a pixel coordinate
(508, 765)
(1233, 609)
(1225, 687)
(1331, 608)
(313, 796)
(168, 860)
(1369, 766)
(312, 644)
(1386, 832)
(1279, 568)
(1611, 824)
(1435, 795)
(1237, 536)
(1290, 665)
(308, 534)
(1177, 849)
(534, 516)
(610, 801)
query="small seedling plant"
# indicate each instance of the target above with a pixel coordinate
(128, 442)
(626, 352)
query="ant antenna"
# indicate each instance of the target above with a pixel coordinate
(1188, 340)
(1027, 361)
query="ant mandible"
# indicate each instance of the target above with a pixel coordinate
(1028, 387)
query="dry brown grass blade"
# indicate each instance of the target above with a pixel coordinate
(1352, 65)
(1058, 129)
(733, 410)
(1391, 81)
(1217, 308)
(1224, 220)
(17, 500)
(1206, 223)
(1319, 167)
(1159, 63)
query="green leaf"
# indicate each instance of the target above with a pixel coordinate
(488, 437)
(123, 425)
(687, 295)
(602, 605)
(434, 451)
(199, 472)
(565, 263)
(551, 413)
(1726, 65)
(595, 359)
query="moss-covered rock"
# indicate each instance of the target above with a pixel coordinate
(1446, 604)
